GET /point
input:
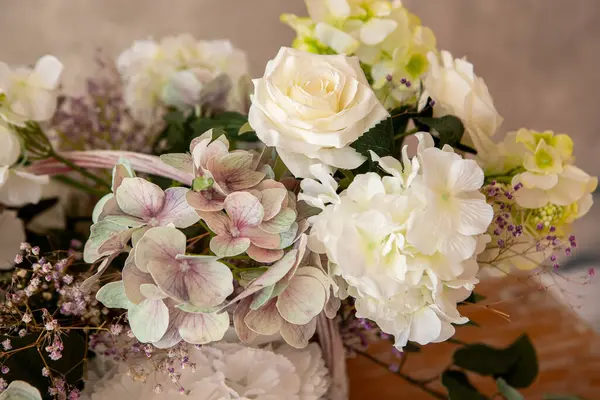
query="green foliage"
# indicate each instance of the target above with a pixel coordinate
(509, 392)
(182, 127)
(475, 298)
(450, 129)
(458, 386)
(517, 364)
(379, 139)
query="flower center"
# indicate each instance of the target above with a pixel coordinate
(153, 222)
(235, 232)
(184, 266)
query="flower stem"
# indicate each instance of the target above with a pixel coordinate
(78, 185)
(402, 135)
(101, 182)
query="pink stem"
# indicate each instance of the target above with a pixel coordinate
(106, 159)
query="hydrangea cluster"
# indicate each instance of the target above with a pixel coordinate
(389, 41)
(182, 72)
(405, 244)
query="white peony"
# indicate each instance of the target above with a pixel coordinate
(223, 372)
(373, 238)
(456, 90)
(29, 94)
(312, 107)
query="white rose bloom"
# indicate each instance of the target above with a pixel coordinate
(456, 90)
(312, 107)
(408, 286)
(29, 94)
(224, 372)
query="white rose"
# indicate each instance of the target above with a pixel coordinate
(312, 107)
(456, 90)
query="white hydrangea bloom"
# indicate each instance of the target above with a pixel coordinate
(408, 280)
(224, 372)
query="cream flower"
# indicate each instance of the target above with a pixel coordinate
(10, 149)
(13, 233)
(407, 281)
(224, 372)
(29, 94)
(18, 187)
(456, 90)
(312, 107)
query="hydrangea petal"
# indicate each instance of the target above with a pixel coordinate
(228, 246)
(140, 198)
(112, 295)
(160, 246)
(133, 279)
(272, 200)
(101, 233)
(260, 238)
(149, 320)
(206, 200)
(264, 255)
(280, 222)
(302, 300)
(245, 334)
(176, 209)
(244, 209)
(264, 321)
(203, 328)
(298, 335)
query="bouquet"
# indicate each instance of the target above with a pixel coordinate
(182, 229)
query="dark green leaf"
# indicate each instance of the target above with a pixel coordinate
(483, 359)
(459, 387)
(379, 139)
(400, 118)
(449, 128)
(509, 392)
(475, 298)
(525, 369)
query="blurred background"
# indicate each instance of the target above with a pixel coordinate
(539, 59)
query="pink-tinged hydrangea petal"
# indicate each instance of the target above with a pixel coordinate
(176, 210)
(240, 179)
(171, 336)
(269, 184)
(260, 238)
(181, 161)
(300, 247)
(228, 246)
(279, 223)
(121, 171)
(218, 222)
(133, 278)
(125, 220)
(332, 306)
(140, 198)
(209, 157)
(159, 246)
(260, 298)
(110, 208)
(235, 161)
(302, 300)
(275, 273)
(244, 210)
(298, 335)
(99, 207)
(202, 281)
(152, 292)
(149, 320)
(207, 200)
(101, 233)
(264, 321)
(138, 234)
(112, 295)
(203, 328)
(89, 282)
(288, 237)
(245, 334)
(271, 200)
(264, 255)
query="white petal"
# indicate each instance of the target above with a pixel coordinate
(149, 320)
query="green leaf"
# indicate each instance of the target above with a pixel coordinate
(475, 298)
(525, 369)
(517, 364)
(459, 387)
(509, 392)
(449, 128)
(400, 118)
(379, 139)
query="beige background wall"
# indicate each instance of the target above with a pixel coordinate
(540, 58)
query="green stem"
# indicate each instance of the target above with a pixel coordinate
(78, 185)
(101, 182)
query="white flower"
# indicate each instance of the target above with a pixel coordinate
(20, 390)
(312, 107)
(29, 94)
(10, 147)
(12, 232)
(409, 283)
(319, 194)
(18, 187)
(182, 72)
(456, 90)
(225, 372)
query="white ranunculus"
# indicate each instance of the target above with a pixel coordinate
(312, 107)
(12, 232)
(373, 238)
(29, 94)
(18, 187)
(456, 90)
